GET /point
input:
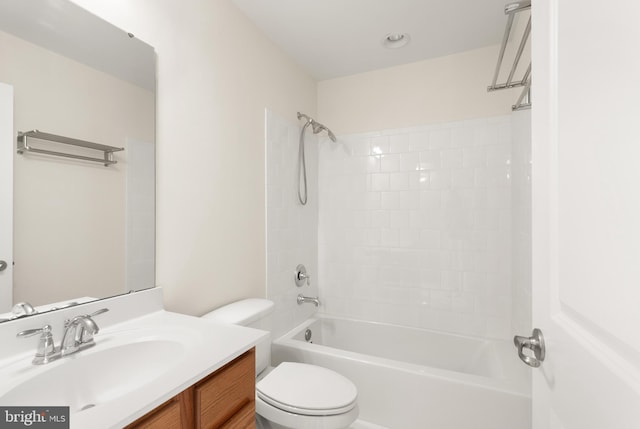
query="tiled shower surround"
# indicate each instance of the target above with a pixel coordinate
(521, 210)
(292, 229)
(415, 226)
(408, 226)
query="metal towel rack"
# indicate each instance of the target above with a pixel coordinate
(524, 100)
(107, 159)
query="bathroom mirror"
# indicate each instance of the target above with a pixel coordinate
(81, 230)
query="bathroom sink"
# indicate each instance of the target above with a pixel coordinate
(136, 364)
(96, 376)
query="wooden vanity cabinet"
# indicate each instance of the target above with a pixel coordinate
(224, 399)
(173, 414)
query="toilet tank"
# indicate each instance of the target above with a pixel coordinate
(252, 313)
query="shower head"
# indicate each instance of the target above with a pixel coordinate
(317, 126)
(302, 115)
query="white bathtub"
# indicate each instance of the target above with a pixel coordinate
(417, 379)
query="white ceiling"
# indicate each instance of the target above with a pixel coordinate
(69, 30)
(332, 38)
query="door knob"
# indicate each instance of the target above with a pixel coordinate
(3, 265)
(535, 343)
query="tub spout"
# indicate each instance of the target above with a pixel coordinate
(313, 299)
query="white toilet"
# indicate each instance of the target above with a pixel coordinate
(292, 395)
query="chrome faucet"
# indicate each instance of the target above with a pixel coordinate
(22, 309)
(313, 299)
(78, 335)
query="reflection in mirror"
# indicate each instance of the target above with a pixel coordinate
(81, 230)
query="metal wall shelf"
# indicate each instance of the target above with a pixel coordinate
(107, 151)
(524, 100)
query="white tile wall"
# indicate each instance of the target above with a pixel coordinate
(141, 225)
(521, 222)
(415, 226)
(412, 226)
(292, 229)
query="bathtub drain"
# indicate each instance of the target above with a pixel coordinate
(307, 335)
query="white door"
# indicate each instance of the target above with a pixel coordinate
(6, 197)
(586, 213)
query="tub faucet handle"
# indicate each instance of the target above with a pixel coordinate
(301, 275)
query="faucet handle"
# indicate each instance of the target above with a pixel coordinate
(89, 327)
(301, 276)
(68, 322)
(46, 329)
(95, 313)
(46, 351)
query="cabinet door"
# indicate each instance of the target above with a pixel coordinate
(226, 399)
(176, 413)
(243, 419)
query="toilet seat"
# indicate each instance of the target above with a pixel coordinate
(309, 390)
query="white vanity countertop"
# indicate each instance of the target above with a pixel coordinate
(218, 345)
(206, 347)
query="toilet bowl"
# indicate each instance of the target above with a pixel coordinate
(291, 395)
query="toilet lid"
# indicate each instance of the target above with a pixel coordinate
(307, 389)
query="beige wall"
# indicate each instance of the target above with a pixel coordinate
(69, 216)
(216, 75)
(444, 89)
